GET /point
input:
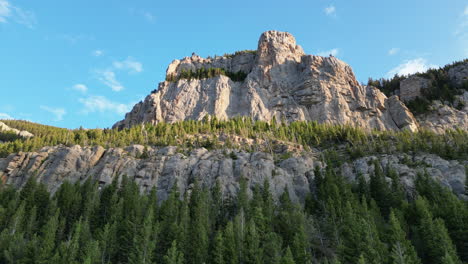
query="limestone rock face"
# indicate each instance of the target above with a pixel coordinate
(451, 174)
(401, 115)
(412, 87)
(162, 167)
(442, 117)
(23, 133)
(282, 82)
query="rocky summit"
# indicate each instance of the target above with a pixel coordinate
(279, 81)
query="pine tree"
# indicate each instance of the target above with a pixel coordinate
(435, 239)
(253, 251)
(217, 252)
(92, 253)
(272, 248)
(47, 243)
(402, 252)
(287, 257)
(448, 259)
(230, 251)
(199, 226)
(174, 256)
(145, 241)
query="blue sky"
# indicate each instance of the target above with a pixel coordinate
(86, 63)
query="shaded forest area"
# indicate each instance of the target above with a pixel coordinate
(340, 222)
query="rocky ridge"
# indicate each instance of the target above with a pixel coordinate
(443, 116)
(22, 133)
(162, 167)
(282, 82)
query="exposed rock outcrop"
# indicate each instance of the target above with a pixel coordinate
(459, 73)
(442, 117)
(162, 167)
(22, 133)
(282, 82)
(413, 87)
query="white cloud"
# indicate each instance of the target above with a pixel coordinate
(466, 11)
(102, 104)
(57, 112)
(25, 17)
(80, 87)
(129, 64)
(330, 10)
(149, 17)
(410, 67)
(108, 78)
(327, 53)
(5, 11)
(20, 16)
(5, 116)
(98, 53)
(393, 51)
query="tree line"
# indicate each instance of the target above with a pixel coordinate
(342, 142)
(205, 73)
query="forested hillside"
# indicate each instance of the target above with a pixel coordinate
(442, 87)
(374, 222)
(340, 141)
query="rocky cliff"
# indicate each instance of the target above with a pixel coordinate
(162, 167)
(281, 82)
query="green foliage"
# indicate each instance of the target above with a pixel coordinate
(339, 142)
(254, 52)
(206, 73)
(341, 222)
(441, 87)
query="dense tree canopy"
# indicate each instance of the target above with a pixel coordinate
(340, 222)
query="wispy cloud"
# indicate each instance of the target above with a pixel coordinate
(327, 53)
(129, 64)
(330, 10)
(410, 67)
(75, 38)
(5, 11)
(98, 53)
(466, 11)
(108, 78)
(101, 104)
(16, 14)
(149, 17)
(393, 51)
(80, 87)
(5, 116)
(57, 112)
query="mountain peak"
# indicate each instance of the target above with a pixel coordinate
(278, 80)
(275, 47)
